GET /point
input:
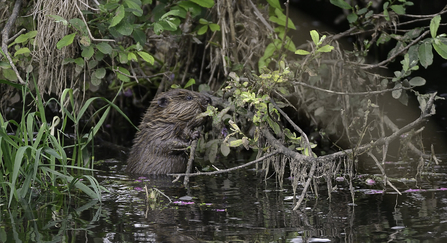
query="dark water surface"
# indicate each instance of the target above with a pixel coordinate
(238, 207)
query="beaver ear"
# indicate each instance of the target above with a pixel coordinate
(163, 102)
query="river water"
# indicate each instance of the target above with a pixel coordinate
(236, 207)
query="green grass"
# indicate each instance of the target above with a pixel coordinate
(33, 155)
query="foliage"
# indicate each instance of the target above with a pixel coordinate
(34, 154)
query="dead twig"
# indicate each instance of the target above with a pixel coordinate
(6, 40)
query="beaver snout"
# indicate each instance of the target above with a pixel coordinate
(206, 101)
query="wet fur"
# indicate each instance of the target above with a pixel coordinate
(166, 130)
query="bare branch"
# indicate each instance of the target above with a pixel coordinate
(5, 37)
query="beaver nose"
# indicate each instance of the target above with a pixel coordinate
(207, 101)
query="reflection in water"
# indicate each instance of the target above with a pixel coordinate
(232, 208)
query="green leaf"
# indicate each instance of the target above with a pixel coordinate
(131, 56)
(139, 36)
(23, 50)
(214, 27)
(100, 73)
(123, 77)
(406, 62)
(224, 149)
(65, 41)
(202, 30)
(95, 81)
(399, 9)
(425, 54)
(10, 74)
(147, 57)
(79, 25)
(104, 48)
(24, 37)
(172, 12)
(434, 25)
(191, 7)
(87, 52)
(397, 93)
(280, 19)
(341, 4)
(315, 36)
(352, 17)
(204, 3)
(417, 81)
(302, 52)
(135, 6)
(123, 57)
(275, 4)
(119, 15)
(158, 28)
(325, 48)
(274, 126)
(59, 19)
(125, 28)
(235, 143)
(189, 83)
(440, 48)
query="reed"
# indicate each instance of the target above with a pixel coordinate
(33, 154)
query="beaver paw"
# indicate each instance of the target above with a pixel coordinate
(195, 135)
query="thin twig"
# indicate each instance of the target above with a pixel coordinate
(189, 164)
(296, 127)
(88, 29)
(5, 37)
(351, 93)
(415, 41)
(306, 186)
(230, 169)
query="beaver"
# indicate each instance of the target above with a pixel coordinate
(165, 132)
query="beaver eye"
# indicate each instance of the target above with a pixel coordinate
(188, 97)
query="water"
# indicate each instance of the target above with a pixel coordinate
(237, 207)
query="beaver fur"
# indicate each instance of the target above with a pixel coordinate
(166, 130)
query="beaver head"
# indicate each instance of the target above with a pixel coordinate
(177, 109)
